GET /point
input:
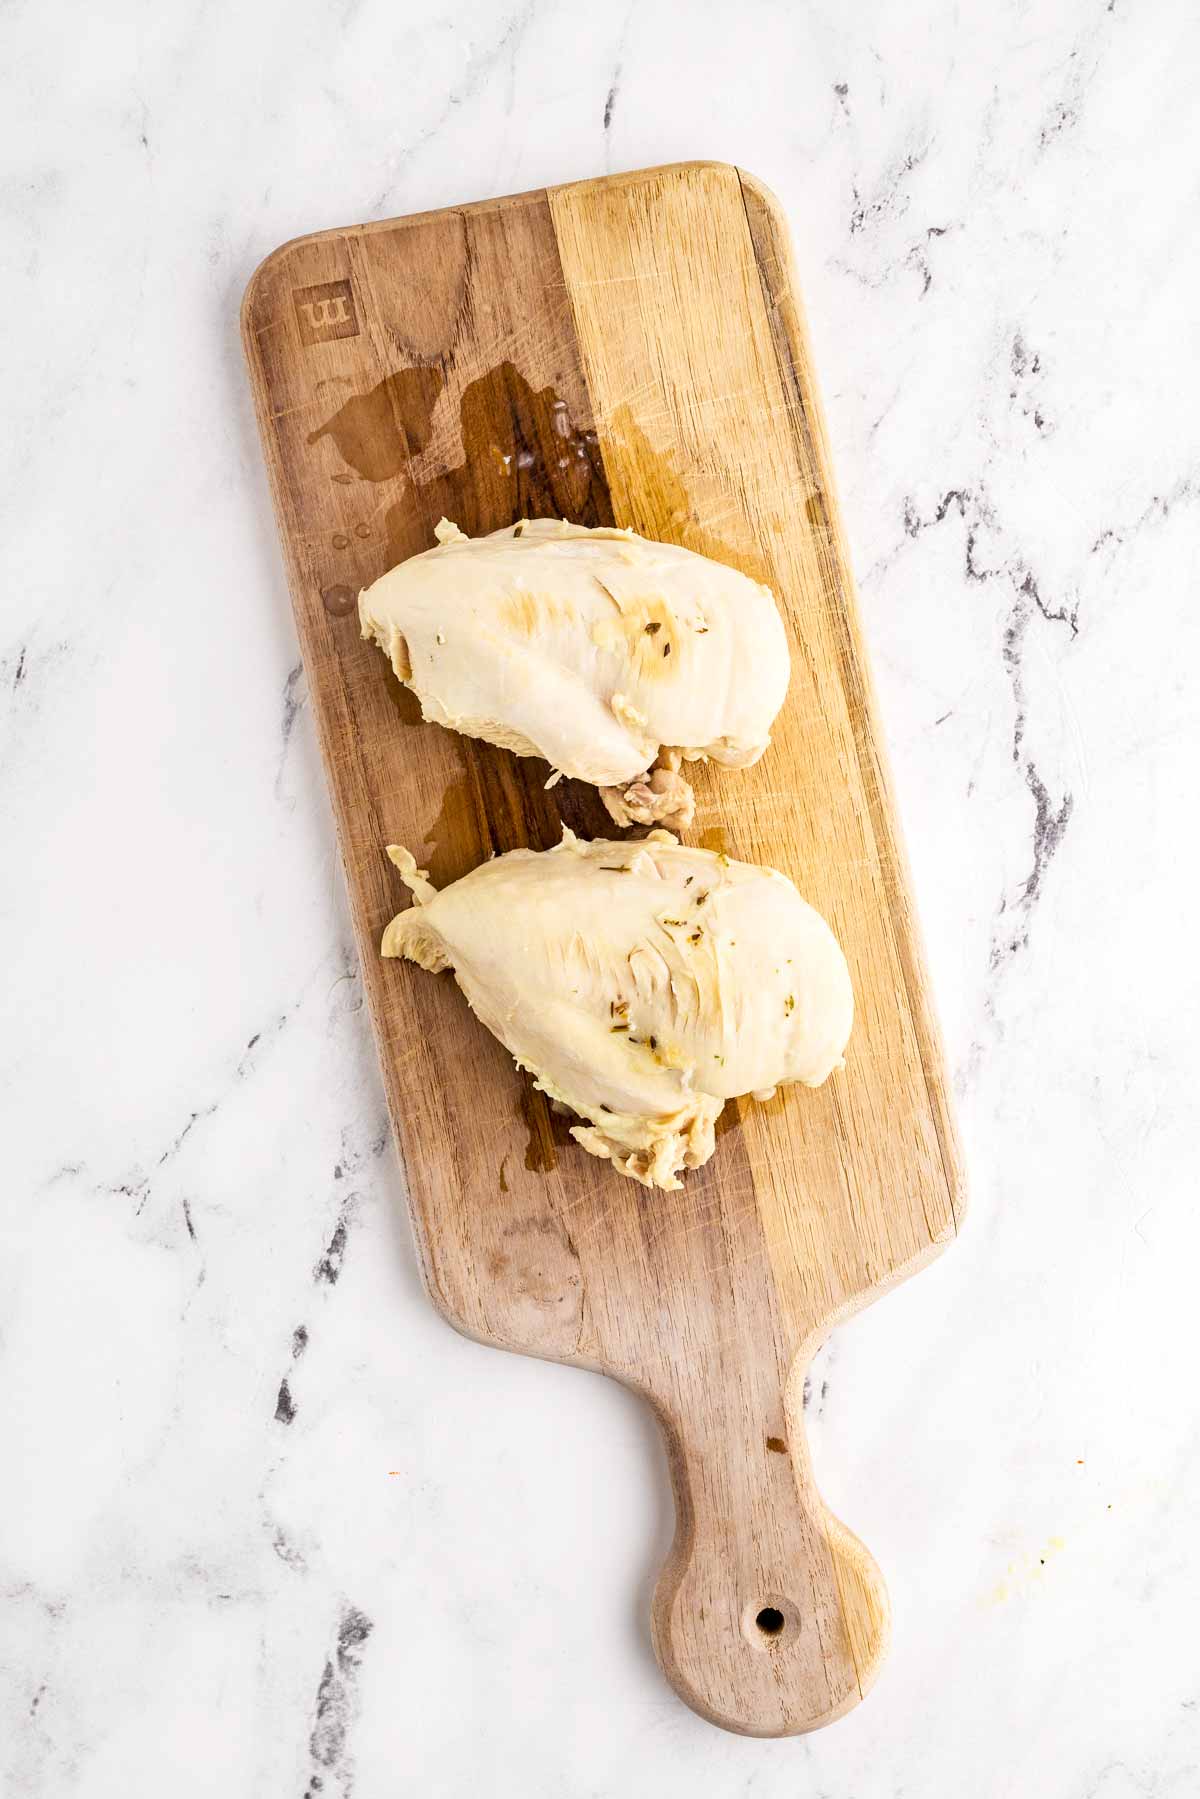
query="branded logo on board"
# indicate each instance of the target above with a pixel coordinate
(325, 312)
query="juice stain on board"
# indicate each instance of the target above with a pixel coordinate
(523, 456)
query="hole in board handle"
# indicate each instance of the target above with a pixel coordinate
(771, 1622)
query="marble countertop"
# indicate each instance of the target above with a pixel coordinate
(267, 1526)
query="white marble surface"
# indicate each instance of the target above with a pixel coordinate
(433, 1579)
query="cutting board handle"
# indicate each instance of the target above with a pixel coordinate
(769, 1617)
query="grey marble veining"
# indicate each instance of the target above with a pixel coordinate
(267, 1526)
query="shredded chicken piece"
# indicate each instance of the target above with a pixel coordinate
(661, 797)
(642, 983)
(590, 647)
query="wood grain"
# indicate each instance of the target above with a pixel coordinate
(631, 349)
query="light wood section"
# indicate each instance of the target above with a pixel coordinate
(627, 349)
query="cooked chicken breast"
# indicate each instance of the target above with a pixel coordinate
(642, 984)
(593, 648)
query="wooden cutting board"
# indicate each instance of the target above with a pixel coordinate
(629, 349)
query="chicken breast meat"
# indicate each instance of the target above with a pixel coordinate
(615, 658)
(641, 983)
